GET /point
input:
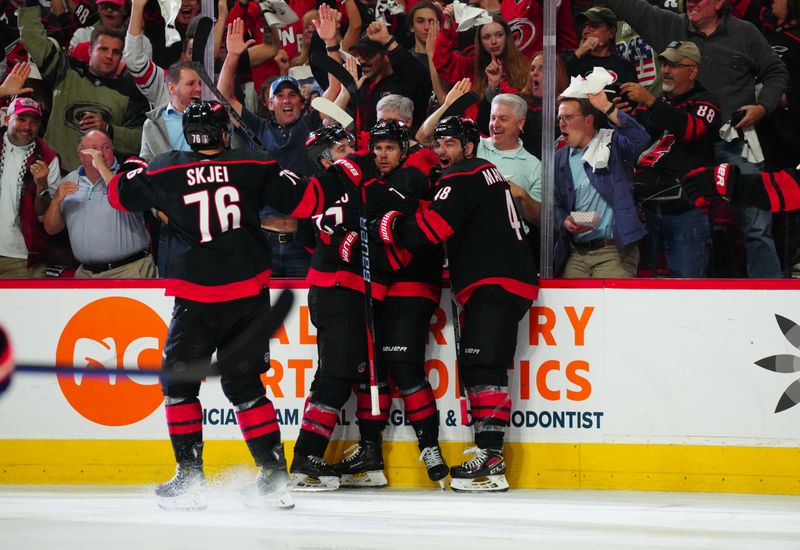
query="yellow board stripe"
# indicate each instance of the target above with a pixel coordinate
(765, 470)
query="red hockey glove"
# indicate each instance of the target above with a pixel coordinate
(384, 228)
(349, 241)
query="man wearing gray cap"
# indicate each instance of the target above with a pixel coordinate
(684, 122)
(736, 56)
(598, 28)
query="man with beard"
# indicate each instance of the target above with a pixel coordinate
(493, 277)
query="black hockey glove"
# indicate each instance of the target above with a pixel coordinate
(708, 182)
(131, 164)
(384, 228)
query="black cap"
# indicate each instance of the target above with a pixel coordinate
(368, 46)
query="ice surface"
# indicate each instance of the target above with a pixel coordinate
(126, 517)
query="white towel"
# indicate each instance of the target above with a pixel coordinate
(599, 150)
(277, 13)
(752, 147)
(579, 86)
(468, 16)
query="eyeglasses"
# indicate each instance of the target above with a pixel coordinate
(673, 65)
(108, 6)
(566, 118)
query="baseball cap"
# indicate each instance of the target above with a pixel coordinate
(367, 46)
(280, 81)
(598, 15)
(678, 50)
(117, 2)
(23, 105)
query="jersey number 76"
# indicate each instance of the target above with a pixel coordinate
(225, 207)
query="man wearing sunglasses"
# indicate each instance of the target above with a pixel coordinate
(683, 123)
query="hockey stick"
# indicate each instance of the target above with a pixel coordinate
(354, 174)
(202, 27)
(331, 110)
(182, 372)
(462, 388)
(323, 62)
(461, 104)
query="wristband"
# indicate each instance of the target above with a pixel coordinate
(334, 48)
(389, 43)
(611, 109)
(44, 192)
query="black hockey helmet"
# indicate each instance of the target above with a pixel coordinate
(204, 123)
(320, 141)
(461, 127)
(390, 130)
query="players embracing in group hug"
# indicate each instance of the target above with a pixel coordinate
(397, 204)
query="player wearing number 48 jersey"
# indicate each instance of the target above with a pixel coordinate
(493, 277)
(220, 265)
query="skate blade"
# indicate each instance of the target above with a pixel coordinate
(494, 483)
(303, 482)
(188, 502)
(375, 479)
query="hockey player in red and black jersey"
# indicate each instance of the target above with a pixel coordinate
(684, 123)
(336, 303)
(220, 266)
(493, 277)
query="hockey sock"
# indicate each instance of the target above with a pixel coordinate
(371, 426)
(421, 411)
(491, 412)
(259, 427)
(316, 429)
(185, 427)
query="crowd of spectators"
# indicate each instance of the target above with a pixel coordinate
(86, 84)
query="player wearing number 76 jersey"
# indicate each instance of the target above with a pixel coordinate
(493, 277)
(220, 265)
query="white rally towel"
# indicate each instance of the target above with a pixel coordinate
(169, 10)
(468, 17)
(387, 6)
(580, 86)
(277, 13)
(599, 150)
(752, 147)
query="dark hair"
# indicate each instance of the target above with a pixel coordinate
(174, 71)
(586, 109)
(421, 6)
(102, 30)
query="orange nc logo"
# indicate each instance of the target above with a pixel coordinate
(119, 337)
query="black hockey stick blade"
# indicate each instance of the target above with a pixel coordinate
(324, 62)
(200, 28)
(461, 104)
(190, 371)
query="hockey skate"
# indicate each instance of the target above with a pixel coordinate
(185, 491)
(485, 472)
(437, 467)
(270, 488)
(311, 473)
(362, 466)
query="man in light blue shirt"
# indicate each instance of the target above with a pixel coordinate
(504, 149)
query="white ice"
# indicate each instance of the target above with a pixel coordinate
(125, 517)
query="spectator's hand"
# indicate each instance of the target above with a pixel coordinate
(460, 88)
(430, 42)
(39, 170)
(753, 115)
(65, 189)
(235, 42)
(378, 32)
(92, 121)
(494, 73)
(282, 60)
(327, 23)
(586, 46)
(574, 228)
(632, 91)
(222, 9)
(449, 16)
(708, 182)
(600, 101)
(140, 4)
(352, 67)
(97, 157)
(14, 82)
